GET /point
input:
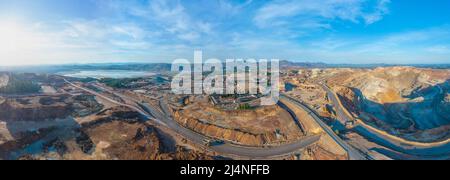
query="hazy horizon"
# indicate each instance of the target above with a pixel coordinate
(156, 62)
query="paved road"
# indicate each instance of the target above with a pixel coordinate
(145, 114)
(386, 141)
(228, 148)
(341, 115)
(352, 153)
(241, 151)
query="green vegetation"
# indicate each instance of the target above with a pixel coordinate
(161, 80)
(19, 84)
(118, 83)
(337, 132)
(244, 107)
(87, 80)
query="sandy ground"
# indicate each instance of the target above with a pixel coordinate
(48, 90)
(4, 79)
(260, 120)
(5, 134)
(313, 128)
(20, 126)
(106, 105)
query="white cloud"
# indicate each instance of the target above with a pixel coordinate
(324, 10)
(418, 39)
(381, 9)
(425, 46)
(159, 31)
(130, 30)
(172, 17)
(439, 49)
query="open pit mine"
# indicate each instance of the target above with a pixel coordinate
(323, 113)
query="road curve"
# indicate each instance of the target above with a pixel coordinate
(440, 149)
(352, 153)
(228, 149)
(251, 152)
(115, 102)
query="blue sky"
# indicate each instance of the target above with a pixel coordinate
(330, 31)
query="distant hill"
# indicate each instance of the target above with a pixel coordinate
(284, 64)
(164, 67)
(151, 67)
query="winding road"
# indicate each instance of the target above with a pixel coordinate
(389, 141)
(116, 102)
(229, 149)
(352, 153)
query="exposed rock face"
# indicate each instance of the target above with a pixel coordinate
(405, 98)
(255, 127)
(4, 79)
(234, 135)
(120, 134)
(396, 84)
(349, 99)
(22, 142)
(411, 103)
(444, 106)
(316, 152)
(14, 110)
(147, 145)
(117, 133)
(42, 108)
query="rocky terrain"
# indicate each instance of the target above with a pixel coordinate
(408, 100)
(253, 127)
(42, 108)
(25, 117)
(317, 152)
(444, 106)
(64, 122)
(302, 85)
(4, 80)
(116, 133)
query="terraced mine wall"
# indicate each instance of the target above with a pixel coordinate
(10, 112)
(312, 127)
(234, 135)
